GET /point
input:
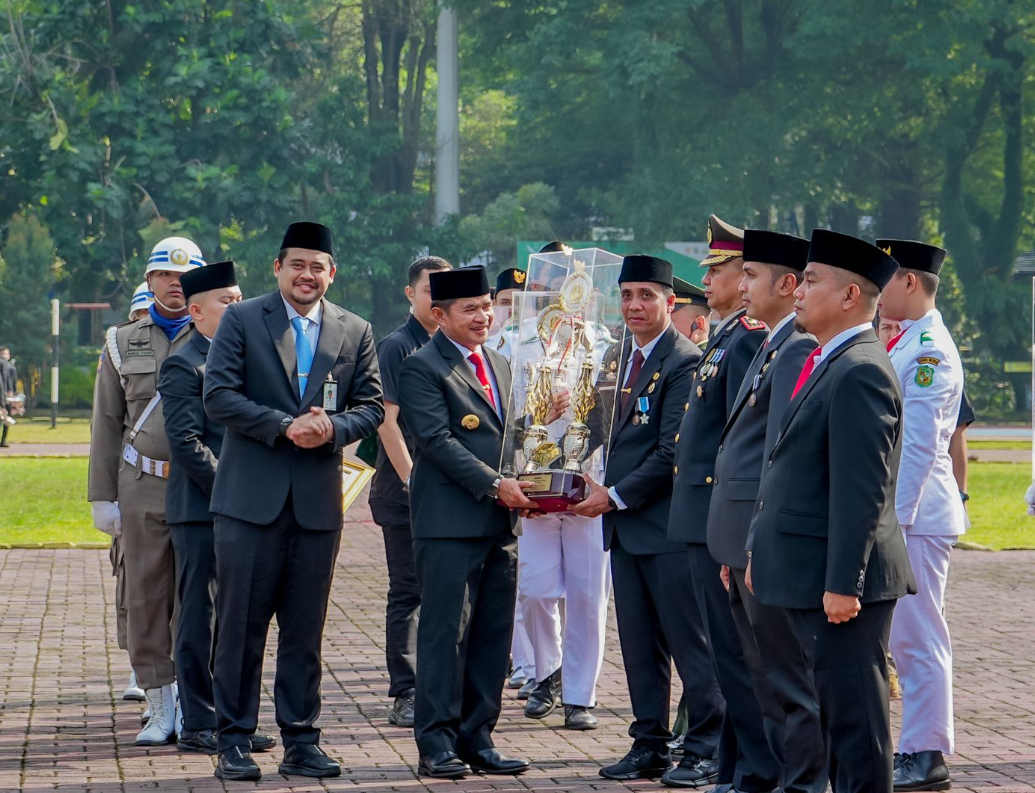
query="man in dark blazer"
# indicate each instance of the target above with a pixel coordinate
(825, 544)
(773, 265)
(653, 598)
(745, 758)
(453, 394)
(294, 379)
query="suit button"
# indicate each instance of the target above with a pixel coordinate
(612, 454)
(761, 505)
(770, 464)
(686, 407)
(677, 437)
(707, 480)
(720, 448)
(675, 469)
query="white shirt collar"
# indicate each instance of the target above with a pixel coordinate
(466, 351)
(776, 328)
(906, 324)
(315, 313)
(839, 340)
(647, 348)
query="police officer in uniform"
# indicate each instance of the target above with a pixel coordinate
(653, 597)
(745, 758)
(929, 510)
(825, 544)
(389, 497)
(773, 266)
(129, 471)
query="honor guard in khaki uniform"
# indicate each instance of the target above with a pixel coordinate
(129, 470)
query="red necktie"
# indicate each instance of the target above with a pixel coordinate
(483, 376)
(630, 381)
(894, 340)
(806, 370)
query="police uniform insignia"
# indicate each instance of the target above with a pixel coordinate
(650, 388)
(139, 342)
(656, 376)
(636, 419)
(752, 400)
(710, 234)
(470, 422)
(700, 391)
(612, 373)
(924, 376)
(931, 361)
(519, 276)
(179, 257)
(887, 250)
(752, 324)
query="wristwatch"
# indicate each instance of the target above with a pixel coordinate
(284, 424)
(964, 496)
(611, 502)
(494, 488)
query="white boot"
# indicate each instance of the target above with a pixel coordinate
(145, 717)
(133, 692)
(162, 725)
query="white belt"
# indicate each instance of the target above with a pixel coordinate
(159, 468)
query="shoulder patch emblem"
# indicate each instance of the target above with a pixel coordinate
(931, 361)
(926, 337)
(924, 376)
(752, 324)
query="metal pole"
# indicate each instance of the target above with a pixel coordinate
(55, 335)
(447, 130)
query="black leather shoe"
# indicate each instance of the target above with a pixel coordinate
(444, 765)
(308, 759)
(261, 742)
(642, 762)
(922, 771)
(237, 764)
(401, 714)
(578, 717)
(201, 741)
(493, 761)
(692, 771)
(544, 698)
(526, 690)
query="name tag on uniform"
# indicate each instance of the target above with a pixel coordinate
(130, 455)
(330, 395)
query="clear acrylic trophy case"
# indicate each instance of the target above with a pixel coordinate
(565, 334)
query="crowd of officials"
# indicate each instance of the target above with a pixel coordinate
(777, 512)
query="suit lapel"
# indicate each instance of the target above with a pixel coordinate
(650, 367)
(765, 354)
(280, 332)
(332, 336)
(463, 368)
(501, 371)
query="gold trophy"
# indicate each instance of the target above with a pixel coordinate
(576, 439)
(539, 450)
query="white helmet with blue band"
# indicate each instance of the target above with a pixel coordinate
(143, 297)
(175, 254)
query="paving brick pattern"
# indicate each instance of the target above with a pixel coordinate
(64, 727)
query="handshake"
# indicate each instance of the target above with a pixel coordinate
(312, 430)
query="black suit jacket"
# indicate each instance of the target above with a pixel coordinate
(251, 385)
(455, 465)
(711, 397)
(639, 459)
(825, 519)
(759, 404)
(195, 439)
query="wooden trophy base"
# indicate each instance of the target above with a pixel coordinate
(554, 491)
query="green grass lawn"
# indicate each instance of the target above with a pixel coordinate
(980, 444)
(44, 500)
(37, 430)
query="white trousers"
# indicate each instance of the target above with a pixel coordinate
(562, 556)
(922, 651)
(520, 645)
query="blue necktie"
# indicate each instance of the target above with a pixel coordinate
(304, 352)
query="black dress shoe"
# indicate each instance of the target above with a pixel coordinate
(642, 762)
(493, 761)
(692, 771)
(201, 741)
(444, 765)
(308, 759)
(261, 742)
(237, 764)
(544, 697)
(401, 714)
(578, 717)
(922, 771)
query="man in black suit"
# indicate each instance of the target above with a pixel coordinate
(294, 379)
(654, 602)
(453, 395)
(745, 758)
(825, 544)
(773, 265)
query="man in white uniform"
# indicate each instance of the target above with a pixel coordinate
(929, 509)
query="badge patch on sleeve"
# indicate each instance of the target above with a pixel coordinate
(931, 361)
(924, 376)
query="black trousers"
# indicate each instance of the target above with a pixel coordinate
(468, 588)
(756, 769)
(784, 687)
(403, 612)
(849, 662)
(195, 551)
(658, 623)
(284, 570)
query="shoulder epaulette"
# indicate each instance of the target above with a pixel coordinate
(753, 324)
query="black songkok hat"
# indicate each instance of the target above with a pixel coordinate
(852, 254)
(914, 255)
(204, 279)
(772, 247)
(553, 247)
(510, 279)
(688, 293)
(459, 283)
(646, 268)
(311, 236)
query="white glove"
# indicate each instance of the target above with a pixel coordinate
(1029, 497)
(106, 517)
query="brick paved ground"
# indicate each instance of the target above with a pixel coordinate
(62, 726)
